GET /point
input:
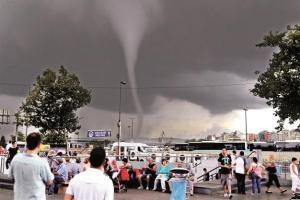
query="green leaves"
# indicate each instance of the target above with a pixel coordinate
(280, 83)
(21, 137)
(52, 103)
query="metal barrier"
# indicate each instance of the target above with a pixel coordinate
(196, 162)
(187, 159)
(283, 169)
(170, 157)
(2, 164)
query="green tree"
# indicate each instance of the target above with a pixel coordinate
(52, 103)
(280, 83)
(3, 141)
(21, 137)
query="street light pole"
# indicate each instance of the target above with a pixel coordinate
(119, 121)
(246, 131)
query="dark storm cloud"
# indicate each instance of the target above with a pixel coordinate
(194, 42)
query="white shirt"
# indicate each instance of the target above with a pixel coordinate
(92, 184)
(240, 165)
(30, 173)
(8, 146)
(233, 160)
(294, 173)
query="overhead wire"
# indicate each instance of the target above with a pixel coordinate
(147, 87)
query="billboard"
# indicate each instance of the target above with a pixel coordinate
(98, 133)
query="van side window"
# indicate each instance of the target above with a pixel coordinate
(140, 149)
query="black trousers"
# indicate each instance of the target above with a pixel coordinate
(56, 184)
(240, 183)
(8, 161)
(273, 177)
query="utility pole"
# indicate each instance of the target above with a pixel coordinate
(162, 137)
(20, 120)
(4, 115)
(132, 118)
(246, 131)
(26, 118)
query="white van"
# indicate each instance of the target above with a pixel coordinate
(132, 151)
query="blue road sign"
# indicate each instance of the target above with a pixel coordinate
(98, 133)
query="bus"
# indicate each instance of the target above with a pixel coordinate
(238, 145)
(181, 147)
(217, 145)
(264, 146)
(288, 145)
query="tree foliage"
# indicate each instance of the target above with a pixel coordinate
(21, 137)
(3, 141)
(52, 103)
(280, 83)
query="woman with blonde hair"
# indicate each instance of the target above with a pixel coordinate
(272, 175)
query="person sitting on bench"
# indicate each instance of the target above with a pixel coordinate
(60, 176)
(162, 172)
(148, 173)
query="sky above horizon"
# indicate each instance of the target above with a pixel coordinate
(189, 65)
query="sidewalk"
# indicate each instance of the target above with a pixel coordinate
(150, 195)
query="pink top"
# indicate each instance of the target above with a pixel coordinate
(257, 169)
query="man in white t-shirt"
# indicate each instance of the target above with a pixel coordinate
(92, 184)
(240, 173)
(31, 173)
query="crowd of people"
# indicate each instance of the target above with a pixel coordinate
(237, 166)
(11, 149)
(94, 178)
(97, 177)
(35, 176)
(150, 176)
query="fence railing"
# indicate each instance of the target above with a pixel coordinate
(2, 163)
(213, 172)
(189, 161)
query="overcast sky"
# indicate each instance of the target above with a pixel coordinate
(189, 64)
